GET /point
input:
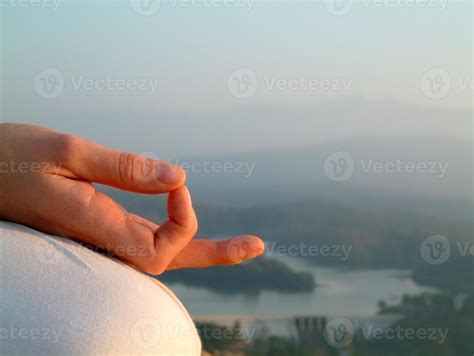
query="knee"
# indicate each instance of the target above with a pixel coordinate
(77, 301)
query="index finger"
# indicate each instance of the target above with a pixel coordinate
(128, 171)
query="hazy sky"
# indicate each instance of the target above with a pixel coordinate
(198, 56)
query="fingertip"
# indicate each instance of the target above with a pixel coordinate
(180, 209)
(244, 247)
(258, 247)
(254, 243)
(180, 195)
(170, 174)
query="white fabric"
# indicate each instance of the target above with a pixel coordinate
(59, 298)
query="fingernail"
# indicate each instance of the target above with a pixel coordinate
(169, 174)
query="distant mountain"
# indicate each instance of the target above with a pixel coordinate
(385, 174)
(249, 128)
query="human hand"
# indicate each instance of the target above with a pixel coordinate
(46, 183)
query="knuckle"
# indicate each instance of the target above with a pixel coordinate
(84, 198)
(127, 163)
(194, 226)
(134, 168)
(191, 227)
(154, 263)
(65, 146)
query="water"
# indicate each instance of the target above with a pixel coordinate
(352, 293)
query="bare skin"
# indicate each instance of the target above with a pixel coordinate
(46, 183)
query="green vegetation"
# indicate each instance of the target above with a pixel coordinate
(430, 315)
(455, 275)
(429, 312)
(379, 238)
(253, 277)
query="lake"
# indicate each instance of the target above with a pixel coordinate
(351, 293)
